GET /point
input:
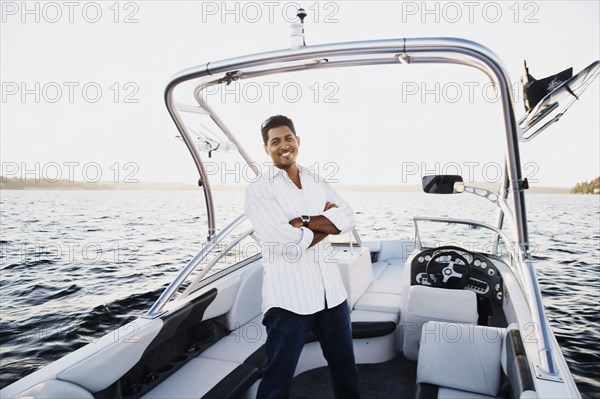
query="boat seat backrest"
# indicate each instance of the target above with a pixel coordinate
(374, 246)
(395, 251)
(461, 357)
(357, 273)
(428, 303)
(464, 361)
(55, 389)
(248, 299)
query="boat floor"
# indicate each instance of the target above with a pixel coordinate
(392, 379)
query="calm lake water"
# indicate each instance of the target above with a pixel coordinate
(77, 264)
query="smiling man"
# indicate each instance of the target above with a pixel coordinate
(293, 211)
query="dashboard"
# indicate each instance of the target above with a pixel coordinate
(457, 268)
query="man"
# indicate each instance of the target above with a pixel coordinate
(292, 212)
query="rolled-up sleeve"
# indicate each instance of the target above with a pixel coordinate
(271, 225)
(342, 216)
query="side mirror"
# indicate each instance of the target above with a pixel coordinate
(443, 184)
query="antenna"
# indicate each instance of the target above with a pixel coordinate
(301, 14)
(298, 30)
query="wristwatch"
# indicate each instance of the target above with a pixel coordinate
(305, 220)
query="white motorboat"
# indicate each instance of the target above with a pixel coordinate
(433, 319)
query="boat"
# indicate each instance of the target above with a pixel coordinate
(435, 318)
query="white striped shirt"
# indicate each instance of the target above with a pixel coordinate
(295, 277)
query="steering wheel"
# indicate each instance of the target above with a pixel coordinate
(449, 269)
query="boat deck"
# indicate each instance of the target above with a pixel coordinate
(395, 378)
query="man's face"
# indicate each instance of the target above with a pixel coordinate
(282, 146)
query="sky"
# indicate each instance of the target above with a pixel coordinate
(83, 84)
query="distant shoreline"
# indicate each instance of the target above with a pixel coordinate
(111, 186)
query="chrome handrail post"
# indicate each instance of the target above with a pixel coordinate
(169, 292)
(187, 139)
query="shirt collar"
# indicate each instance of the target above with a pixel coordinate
(273, 170)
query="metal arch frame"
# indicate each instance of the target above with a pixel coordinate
(406, 50)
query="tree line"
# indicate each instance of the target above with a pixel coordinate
(591, 187)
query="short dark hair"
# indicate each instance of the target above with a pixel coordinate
(273, 122)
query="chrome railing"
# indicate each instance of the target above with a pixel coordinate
(171, 290)
(194, 284)
(168, 294)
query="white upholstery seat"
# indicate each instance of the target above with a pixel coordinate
(383, 293)
(104, 361)
(248, 300)
(244, 319)
(374, 246)
(394, 272)
(378, 269)
(356, 271)
(193, 380)
(240, 344)
(55, 389)
(385, 287)
(367, 315)
(428, 303)
(377, 302)
(395, 251)
(462, 358)
(200, 375)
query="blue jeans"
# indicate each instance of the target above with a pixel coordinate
(286, 335)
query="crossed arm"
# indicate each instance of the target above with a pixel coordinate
(319, 224)
(273, 227)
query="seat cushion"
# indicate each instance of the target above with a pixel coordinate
(55, 389)
(248, 299)
(356, 272)
(193, 380)
(394, 272)
(369, 315)
(461, 356)
(388, 303)
(442, 304)
(395, 249)
(240, 344)
(378, 268)
(428, 303)
(374, 246)
(385, 287)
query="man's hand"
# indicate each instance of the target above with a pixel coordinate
(329, 205)
(318, 236)
(318, 223)
(296, 222)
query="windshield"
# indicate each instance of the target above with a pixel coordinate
(472, 236)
